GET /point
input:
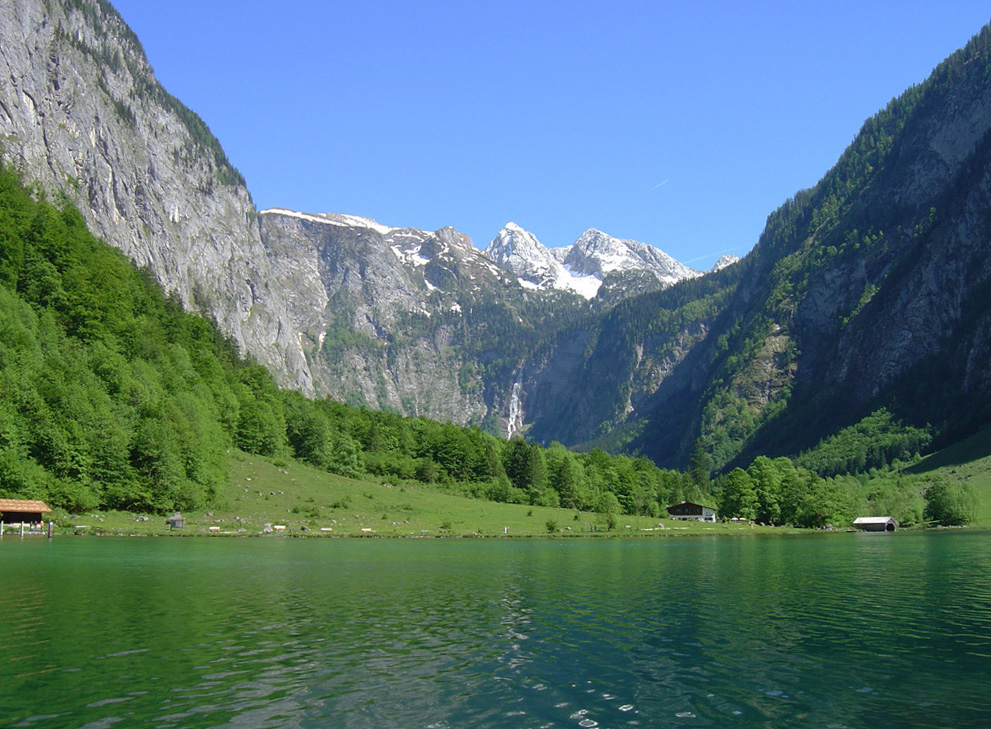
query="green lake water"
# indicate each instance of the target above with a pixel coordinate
(781, 631)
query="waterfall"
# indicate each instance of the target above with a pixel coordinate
(515, 424)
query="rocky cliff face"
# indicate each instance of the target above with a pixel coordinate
(913, 293)
(392, 317)
(82, 114)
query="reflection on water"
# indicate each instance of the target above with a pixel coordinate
(832, 631)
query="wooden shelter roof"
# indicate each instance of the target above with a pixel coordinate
(23, 506)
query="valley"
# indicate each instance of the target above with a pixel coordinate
(862, 309)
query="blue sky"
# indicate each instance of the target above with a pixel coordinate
(679, 124)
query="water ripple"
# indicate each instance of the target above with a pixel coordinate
(699, 633)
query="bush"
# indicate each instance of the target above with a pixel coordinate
(949, 504)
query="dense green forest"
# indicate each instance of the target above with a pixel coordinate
(112, 396)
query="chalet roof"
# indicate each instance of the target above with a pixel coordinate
(873, 519)
(690, 503)
(22, 506)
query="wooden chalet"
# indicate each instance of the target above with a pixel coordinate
(688, 511)
(14, 511)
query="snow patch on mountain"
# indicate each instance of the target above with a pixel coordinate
(536, 266)
(598, 254)
(581, 267)
(728, 260)
(345, 221)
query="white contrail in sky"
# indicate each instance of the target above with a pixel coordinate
(710, 255)
(659, 184)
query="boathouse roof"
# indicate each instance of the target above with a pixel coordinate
(22, 510)
(875, 523)
(23, 506)
(873, 519)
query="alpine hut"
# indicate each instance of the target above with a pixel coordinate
(688, 511)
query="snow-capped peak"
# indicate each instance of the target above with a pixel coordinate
(598, 254)
(581, 267)
(513, 243)
(519, 251)
(728, 260)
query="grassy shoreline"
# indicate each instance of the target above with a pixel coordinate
(262, 494)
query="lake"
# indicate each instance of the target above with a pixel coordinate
(848, 630)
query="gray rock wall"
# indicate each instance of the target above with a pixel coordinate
(82, 114)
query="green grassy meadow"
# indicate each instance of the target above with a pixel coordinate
(311, 503)
(967, 462)
(306, 502)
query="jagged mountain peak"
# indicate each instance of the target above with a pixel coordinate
(536, 266)
(727, 260)
(581, 267)
(514, 245)
(598, 254)
(515, 228)
(514, 240)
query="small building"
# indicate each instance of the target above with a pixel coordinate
(688, 511)
(175, 521)
(24, 511)
(875, 523)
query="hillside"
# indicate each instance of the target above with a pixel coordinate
(967, 462)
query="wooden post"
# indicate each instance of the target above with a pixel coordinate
(51, 525)
(22, 527)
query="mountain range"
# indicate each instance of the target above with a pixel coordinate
(591, 262)
(867, 291)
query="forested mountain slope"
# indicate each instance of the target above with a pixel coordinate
(870, 289)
